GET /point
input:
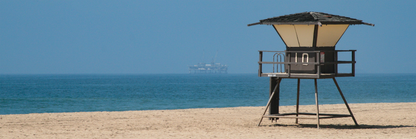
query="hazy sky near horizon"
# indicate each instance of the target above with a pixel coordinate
(165, 36)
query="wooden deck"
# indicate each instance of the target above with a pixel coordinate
(306, 75)
(285, 67)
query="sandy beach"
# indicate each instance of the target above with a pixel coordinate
(377, 120)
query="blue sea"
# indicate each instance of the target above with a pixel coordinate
(22, 94)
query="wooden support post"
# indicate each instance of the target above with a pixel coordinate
(260, 65)
(297, 102)
(336, 63)
(353, 63)
(317, 105)
(274, 103)
(274, 98)
(345, 101)
(270, 100)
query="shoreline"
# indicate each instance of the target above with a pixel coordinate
(194, 108)
(376, 120)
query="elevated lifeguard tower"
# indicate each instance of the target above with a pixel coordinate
(310, 39)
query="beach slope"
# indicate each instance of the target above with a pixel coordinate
(377, 120)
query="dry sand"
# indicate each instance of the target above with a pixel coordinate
(377, 120)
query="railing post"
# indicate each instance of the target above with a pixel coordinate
(353, 62)
(260, 65)
(318, 67)
(336, 62)
(288, 55)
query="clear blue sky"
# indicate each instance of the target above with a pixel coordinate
(165, 36)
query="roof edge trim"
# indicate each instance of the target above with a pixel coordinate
(308, 23)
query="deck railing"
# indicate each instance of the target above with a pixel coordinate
(282, 64)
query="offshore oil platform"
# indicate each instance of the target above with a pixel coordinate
(208, 68)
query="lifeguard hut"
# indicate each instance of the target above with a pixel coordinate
(310, 39)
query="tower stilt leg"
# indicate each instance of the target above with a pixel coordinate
(317, 105)
(275, 92)
(274, 103)
(270, 99)
(297, 102)
(345, 101)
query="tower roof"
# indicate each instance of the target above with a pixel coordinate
(315, 18)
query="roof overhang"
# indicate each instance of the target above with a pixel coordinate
(310, 18)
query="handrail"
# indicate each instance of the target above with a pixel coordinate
(338, 62)
(310, 51)
(317, 63)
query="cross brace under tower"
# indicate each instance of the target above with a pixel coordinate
(296, 116)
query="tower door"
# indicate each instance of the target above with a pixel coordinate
(302, 60)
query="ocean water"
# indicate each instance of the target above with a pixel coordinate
(22, 94)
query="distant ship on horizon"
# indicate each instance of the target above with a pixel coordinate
(206, 68)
